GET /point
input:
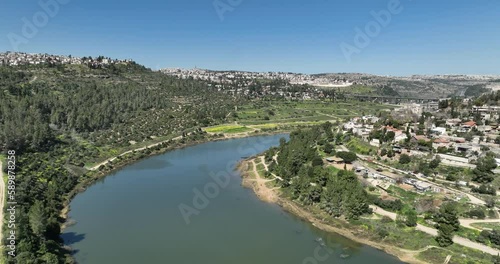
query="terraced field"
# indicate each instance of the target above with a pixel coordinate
(273, 113)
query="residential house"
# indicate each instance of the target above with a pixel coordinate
(441, 142)
(455, 122)
(399, 134)
(467, 126)
(438, 130)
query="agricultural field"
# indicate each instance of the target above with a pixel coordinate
(285, 115)
(228, 129)
(283, 112)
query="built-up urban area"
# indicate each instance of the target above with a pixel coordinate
(21, 58)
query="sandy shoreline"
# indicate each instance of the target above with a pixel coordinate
(271, 195)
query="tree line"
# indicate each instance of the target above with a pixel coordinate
(339, 193)
(58, 118)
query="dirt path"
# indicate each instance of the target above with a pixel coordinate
(271, 195)
(2, 203)
(448, 258)
(467, 222)
(95, 167)
(472, 198)
(258, 184)
(267, 169)
(431, 231)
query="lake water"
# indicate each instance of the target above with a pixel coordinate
(134, 216)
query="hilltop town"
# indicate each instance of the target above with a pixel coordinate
(232, 76)
(21, 58)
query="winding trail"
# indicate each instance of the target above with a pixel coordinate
(433, 232)
(95, 167)
(467, 222)
(267, 169)
(265, 193)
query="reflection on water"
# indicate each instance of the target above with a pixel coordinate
(153, 163)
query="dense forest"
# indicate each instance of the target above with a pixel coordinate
(60, 118)
(337, 192)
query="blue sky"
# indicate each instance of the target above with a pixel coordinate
(425, 37)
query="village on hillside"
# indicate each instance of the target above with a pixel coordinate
(448, 153)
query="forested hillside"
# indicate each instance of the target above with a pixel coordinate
(491, 99)
(60, 118)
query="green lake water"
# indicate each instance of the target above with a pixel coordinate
(133, 216)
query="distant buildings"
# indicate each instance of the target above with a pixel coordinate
(21, 58)
(247, 77)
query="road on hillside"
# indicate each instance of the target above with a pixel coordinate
(467, 222)
(433, 232)
(95, 167)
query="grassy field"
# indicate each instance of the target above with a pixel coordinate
(486, 225)
(459, 255)
(359, 146)
(230, 129)
(279, 112)
(407, 197)
(285, 115)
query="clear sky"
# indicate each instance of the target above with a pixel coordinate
(422, 36)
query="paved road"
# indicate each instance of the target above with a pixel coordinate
(431, 231)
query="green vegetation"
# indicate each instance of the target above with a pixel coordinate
(486, 225)
(73, 115)
(63, 119)
(328, 192)
(459, 255)
(348, 157)
(359, 146)
(359, 89)
(483, 173)
(286, 113)
(260, 167)
(447, 224)
(404, 159)
(228, 129)
(307, 181)
(455, 173)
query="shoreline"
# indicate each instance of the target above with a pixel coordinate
(82, 186)
(262, 192)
